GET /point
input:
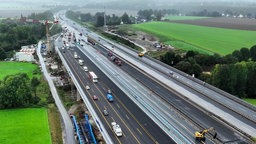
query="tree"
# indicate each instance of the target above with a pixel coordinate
(34, 83)
(250, 82)
(126, 19)
(170, 58)
(183, 66)
(86, 17)
(2, 54)
(158, 15)
(253, 52)
(228, 59)
(15, 91)
(237, 54)
(245, 52)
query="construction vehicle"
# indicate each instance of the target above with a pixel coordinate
(141, 54)
(200, 135)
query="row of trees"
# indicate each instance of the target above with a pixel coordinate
(150, 14)
(17, 91)
(232, 73)
(98, 18)
(206, 13)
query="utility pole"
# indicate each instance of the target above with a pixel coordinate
(105, 21)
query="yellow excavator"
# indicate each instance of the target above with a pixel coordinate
(141, 54)
(200, 135)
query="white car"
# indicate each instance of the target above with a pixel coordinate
(117, 129)
(87, 87)
(85, 68)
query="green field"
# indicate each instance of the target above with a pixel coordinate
(9, 68)
(24, 126)
(169, 17)
(208, 39)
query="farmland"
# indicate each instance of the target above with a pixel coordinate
(9, 68)
(183, 17)
(204, 39)
(24, 126)
(220, 22)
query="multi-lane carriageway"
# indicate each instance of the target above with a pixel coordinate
(216, 103)
(183, 105)
(136, 126)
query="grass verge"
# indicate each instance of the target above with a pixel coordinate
(55, 124)
(251, 101)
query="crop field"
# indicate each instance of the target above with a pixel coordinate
(9, 68)
(204, 39)
(24, 126)
(183, 17)
(222, 22)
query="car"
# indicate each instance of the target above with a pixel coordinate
(105, 112)
(109, 91)
(95, 97)
(87, 87)
(85, 68)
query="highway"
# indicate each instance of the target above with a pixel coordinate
(191, 112)
(186, 95)
(134, 123)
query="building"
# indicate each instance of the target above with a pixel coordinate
(26, 53)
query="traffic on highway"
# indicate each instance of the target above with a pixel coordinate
(140, 100)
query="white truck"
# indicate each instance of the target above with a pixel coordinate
(117, 129)
(81, 62)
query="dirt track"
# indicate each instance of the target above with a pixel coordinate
(222, 22)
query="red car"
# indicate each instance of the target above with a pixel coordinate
(95, 97)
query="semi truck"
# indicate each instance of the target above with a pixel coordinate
(117, 129)
(110, 97)
(114, 58)
(91, 40)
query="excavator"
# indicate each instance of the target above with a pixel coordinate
(200, 135)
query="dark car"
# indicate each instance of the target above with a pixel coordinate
(105, 112)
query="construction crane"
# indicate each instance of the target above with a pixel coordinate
(46, 23)
(200, 135)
